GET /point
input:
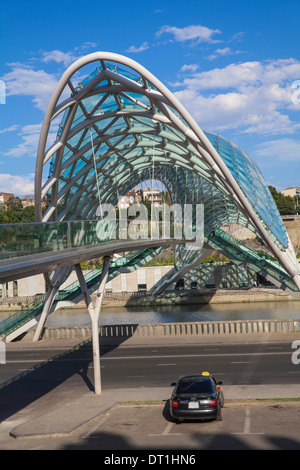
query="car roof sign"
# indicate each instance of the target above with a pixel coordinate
(205, 373)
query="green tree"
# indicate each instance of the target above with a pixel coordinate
(14, 203)
(11, 216)
(285, 204)
(28, 214)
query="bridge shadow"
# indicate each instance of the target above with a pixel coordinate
(104, 441)
(30, 386)
(114, 442)
(185, 297)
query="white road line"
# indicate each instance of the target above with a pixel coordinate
(114, 358)
(117, 358)
(247, 424)
(240, 362)
(135, 376)
(88, 435)
(166, 431)
(173, 364)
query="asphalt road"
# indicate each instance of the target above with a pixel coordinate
(56, 373)
(151, 365)
(240, 364)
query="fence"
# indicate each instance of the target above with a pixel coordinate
(214, 328)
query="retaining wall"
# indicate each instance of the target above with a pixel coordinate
(215, 328)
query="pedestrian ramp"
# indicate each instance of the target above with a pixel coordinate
(27, 317)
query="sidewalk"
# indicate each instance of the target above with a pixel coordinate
(73, 413)
(66, 419)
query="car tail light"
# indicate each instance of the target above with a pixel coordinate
(213, 402)
(174, 404)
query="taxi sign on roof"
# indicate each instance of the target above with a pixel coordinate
(205, 373)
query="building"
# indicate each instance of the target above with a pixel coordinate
(293, 192)
(27, 201)
(152, 195)
(132, 197)
(219, 276)
(4, 197)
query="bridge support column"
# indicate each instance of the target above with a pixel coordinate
(51, 293)
(94, 312)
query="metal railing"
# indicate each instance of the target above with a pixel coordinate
(170, 330)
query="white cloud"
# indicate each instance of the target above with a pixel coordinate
(87, 45)
(66, 58)
(225, 51)
(189, 68)
(25, 81)
(59, 57)
(285, 149)
(197, 33)
(12, 128)
(29, 138)
(18, 185)
(142, 47)
(251, 96)
(29, 142)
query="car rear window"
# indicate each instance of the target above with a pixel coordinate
(192, 386)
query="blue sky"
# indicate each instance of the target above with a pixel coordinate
(232, 64)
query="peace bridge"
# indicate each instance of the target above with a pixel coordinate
(110, 126)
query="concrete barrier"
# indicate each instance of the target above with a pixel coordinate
(213, 328)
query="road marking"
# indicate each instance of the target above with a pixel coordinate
(25, 361)
(88, 435)
(247, 424)
(135, 376)
(240, 362)
(249, 354)
(166, 364)
(166, 431)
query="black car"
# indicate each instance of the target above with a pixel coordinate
(197, 397)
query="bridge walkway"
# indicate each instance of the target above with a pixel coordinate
(27, 316)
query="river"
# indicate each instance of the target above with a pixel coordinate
(180, 313)
(280, 310)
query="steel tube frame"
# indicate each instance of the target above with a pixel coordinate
(162, 99)
(94, 312)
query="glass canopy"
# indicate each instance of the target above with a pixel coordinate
(120, 127)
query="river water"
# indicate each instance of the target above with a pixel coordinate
(180, 313)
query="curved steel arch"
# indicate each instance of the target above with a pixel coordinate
(119, 123)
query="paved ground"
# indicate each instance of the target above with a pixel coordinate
(61, 415)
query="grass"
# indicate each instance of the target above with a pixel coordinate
(278, 399)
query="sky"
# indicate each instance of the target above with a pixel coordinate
(234, 65)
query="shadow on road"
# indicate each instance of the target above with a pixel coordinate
(29, 386)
